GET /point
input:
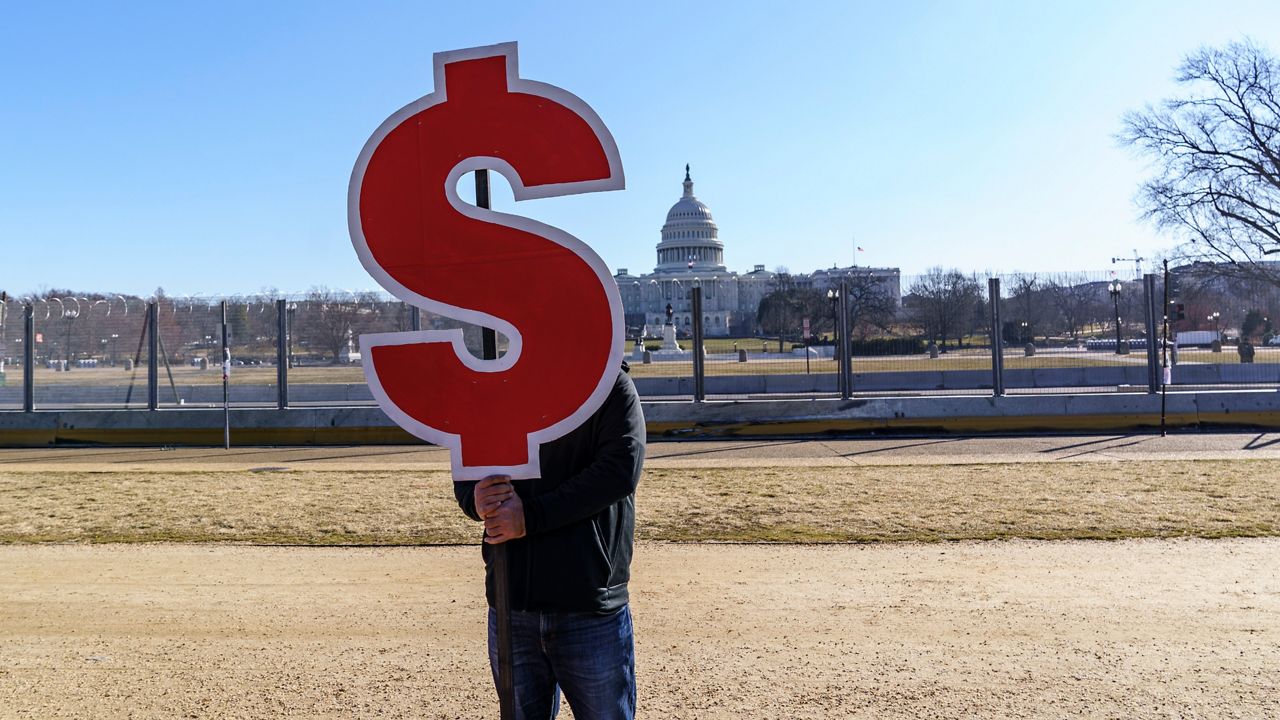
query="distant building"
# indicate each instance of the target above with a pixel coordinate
(690, 253)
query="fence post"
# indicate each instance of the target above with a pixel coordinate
(1153, 354)
(699, 362)
(153, 355)
(836, 343)
(997, 338)
(282, 354)
(29, 358)
(846, 347)
(226, 380)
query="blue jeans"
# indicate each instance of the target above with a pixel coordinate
(591, 657)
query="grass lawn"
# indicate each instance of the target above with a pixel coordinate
(187, 375)
(792, 504)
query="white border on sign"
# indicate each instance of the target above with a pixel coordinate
(615, 181)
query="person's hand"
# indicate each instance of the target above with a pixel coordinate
(491, 492)
(506, 522)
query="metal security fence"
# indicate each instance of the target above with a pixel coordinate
(1078, 331)
(12, 375)
(83, 351)
(943, 332)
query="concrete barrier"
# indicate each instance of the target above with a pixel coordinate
(963, 414)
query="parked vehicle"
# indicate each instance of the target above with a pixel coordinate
(1109, 344)
(1196, 338)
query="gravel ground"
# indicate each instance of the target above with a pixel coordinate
(1002, 629)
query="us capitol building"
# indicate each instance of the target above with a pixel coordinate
(690, 254)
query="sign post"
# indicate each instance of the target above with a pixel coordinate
(501, 565)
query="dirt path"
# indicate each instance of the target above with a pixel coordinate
(1011, 629)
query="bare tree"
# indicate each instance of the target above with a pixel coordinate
(262, 326)
(1076, 300)
(941, 302)
(782, 311)
(1216, 153)
(331, 320)
(1027, 296)
(871, 305)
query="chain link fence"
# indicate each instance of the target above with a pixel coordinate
(939, 333)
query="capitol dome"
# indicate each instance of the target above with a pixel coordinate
(689, 208)
(690, 238)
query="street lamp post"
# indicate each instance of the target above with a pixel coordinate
(834, 296)
(69, 316)
(1114, 288)
(780, 316)
(655, 290)
(1217, 336)
(291, 310)
(639, 295)
(677, 291)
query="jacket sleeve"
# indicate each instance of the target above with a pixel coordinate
(465, 493)
(611, 476)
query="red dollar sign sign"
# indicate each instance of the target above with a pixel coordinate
(527, 280)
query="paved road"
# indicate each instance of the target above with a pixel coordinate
(720, 453)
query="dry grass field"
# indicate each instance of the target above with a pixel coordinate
(1202, 498)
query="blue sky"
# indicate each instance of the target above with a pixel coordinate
(207, 147)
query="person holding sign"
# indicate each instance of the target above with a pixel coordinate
(569, 537)
(545, 445)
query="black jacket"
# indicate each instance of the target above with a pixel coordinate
(579, 516)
